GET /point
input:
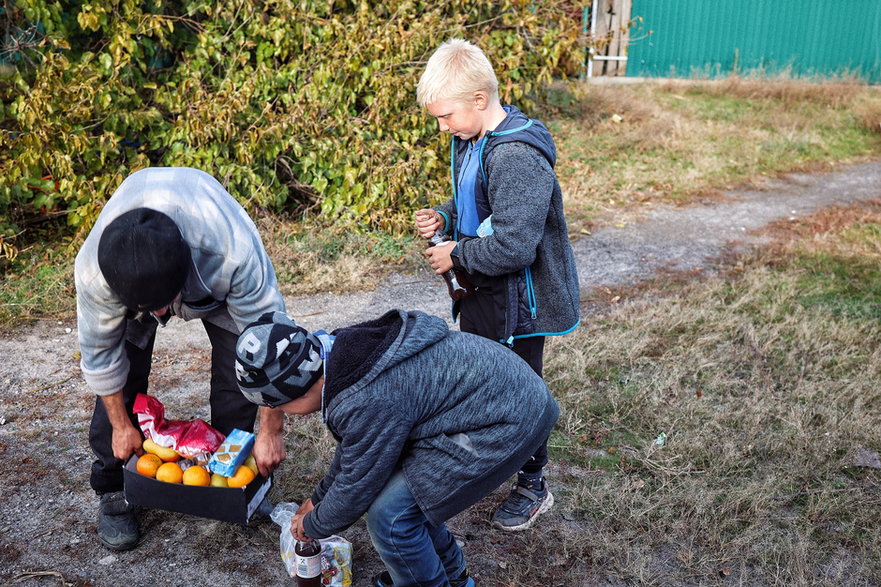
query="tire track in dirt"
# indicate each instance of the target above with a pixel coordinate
(694, 237)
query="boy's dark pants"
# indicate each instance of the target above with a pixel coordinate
(229, 408)
(530, 350)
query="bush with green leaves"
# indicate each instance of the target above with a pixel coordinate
(305, 106)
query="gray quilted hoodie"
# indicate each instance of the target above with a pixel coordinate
(458, 412)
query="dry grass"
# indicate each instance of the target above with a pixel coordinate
(310, 258)
(633, 145)
(867, 111)
(37, 286)
(766, 395)
(832, 94)
(309, 448)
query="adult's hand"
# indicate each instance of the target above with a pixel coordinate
(428, 221)
(269, 449)
(126, 440)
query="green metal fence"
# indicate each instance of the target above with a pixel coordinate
(713, 38)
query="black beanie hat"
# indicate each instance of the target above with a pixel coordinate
(144, 259)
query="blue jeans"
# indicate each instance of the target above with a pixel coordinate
(414, 552)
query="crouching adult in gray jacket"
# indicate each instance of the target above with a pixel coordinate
(170, 241)
(428, 421)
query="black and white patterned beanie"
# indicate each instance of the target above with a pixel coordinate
(276, 360)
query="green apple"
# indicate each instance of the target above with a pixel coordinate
(251, 464)
(218, 480)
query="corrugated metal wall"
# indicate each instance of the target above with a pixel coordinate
(711, 38)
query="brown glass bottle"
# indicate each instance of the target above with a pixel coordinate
(457, 284)
(308, 563)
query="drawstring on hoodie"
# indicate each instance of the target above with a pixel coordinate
(326, 341)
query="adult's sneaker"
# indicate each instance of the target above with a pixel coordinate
(117, 525)
(522, 507)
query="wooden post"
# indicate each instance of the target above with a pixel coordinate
(609, 24)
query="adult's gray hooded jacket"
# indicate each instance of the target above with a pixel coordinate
(231, 281)
(458, 412)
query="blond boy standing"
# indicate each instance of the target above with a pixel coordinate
(508, 231)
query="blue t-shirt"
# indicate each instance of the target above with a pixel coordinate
(466, 207)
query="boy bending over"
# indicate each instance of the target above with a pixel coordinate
(428, 421)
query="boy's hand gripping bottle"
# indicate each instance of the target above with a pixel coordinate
(457, 284)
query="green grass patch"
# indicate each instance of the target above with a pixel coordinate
(841, 286)
(37, 284)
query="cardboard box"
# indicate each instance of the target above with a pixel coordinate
(230, 504)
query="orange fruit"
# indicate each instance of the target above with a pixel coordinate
(170, 473)
(242, 477)
(148, 464)
(196, 475)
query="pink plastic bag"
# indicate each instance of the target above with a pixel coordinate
(191, 438)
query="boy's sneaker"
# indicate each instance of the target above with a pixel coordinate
(522, 507)
(385, 580)
(117, 526)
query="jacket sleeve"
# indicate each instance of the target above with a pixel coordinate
(365, 460)
(100, 329)
(448, 211)
(520, 184)
(253, 286)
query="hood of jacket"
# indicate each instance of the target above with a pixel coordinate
(362, 351)
(516, 127)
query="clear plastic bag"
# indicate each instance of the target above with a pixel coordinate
(336, 552)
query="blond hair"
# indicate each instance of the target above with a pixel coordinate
(454, 72)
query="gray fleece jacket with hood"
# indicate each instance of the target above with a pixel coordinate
(458, 412)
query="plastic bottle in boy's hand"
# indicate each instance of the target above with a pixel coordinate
(457, 285)
(308, 563)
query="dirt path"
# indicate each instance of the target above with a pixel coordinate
(47, 511)
(632, 250)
